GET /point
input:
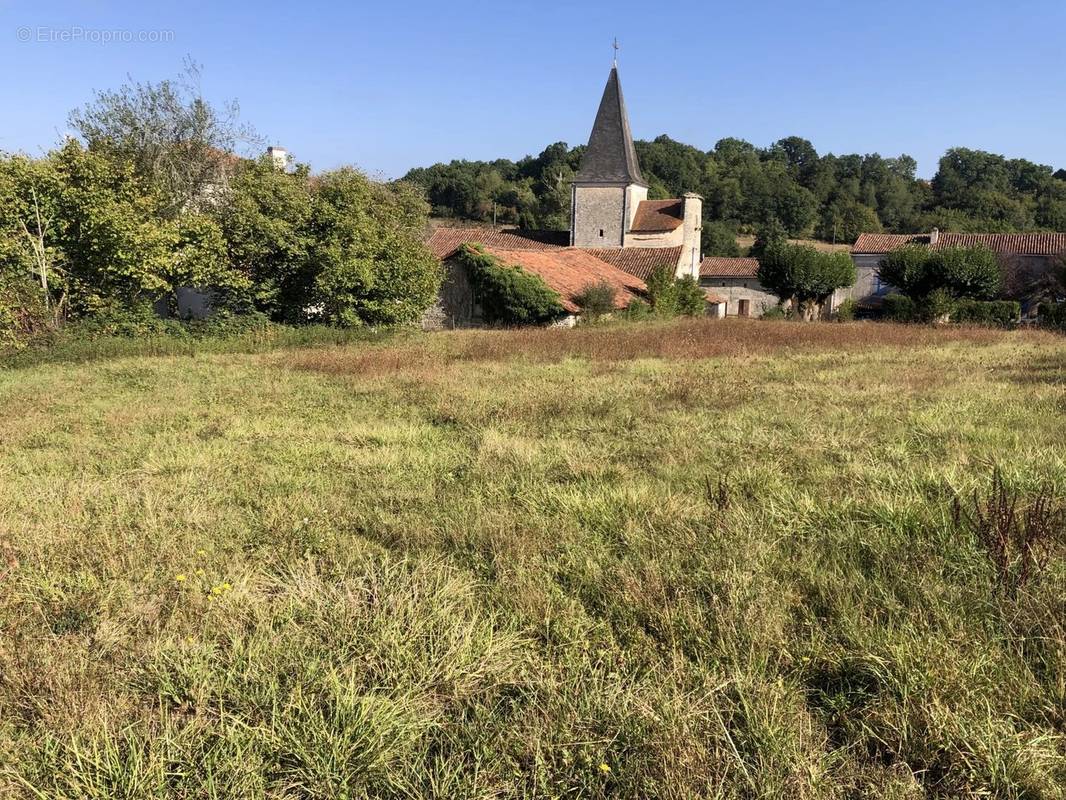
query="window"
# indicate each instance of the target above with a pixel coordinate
(601, 233)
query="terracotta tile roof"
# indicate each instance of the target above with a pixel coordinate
(1034, 244)
(445, 241)
(886, 242)
(639, 262)
(714, 297)
(570, 271)
(722, 267)
(1029, 244)
(658, 215)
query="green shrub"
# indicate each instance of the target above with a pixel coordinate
(993, 313)
(936, 306)
(596, 300)
(846, 310)
(638, 310)
(775, 312)
(963, 271)
(691, 299)
(22, 312)
(128, 321)
(662, 291)
(671, 296)
(140, 321)
(508, 295)
(1053, 315)
(899, 308)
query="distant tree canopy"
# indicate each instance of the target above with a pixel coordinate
(745, 187)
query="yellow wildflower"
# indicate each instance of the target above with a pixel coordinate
(180, 577)
(605, 768)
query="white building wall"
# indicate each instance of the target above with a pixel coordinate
(737, 289)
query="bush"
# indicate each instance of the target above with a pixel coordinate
(638, 310)
(22, 311)
(993, 313)
(846, 310)
(775, 312)
(1053, 315)
(691, 299)
(508, 295)
(962, 271)
(140, 321)
(937, 306)
(899, 308)
(672, 296)
(662, 291)
(125, 321)
(370, 265)
(596, 300)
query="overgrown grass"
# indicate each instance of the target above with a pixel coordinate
(62, 348)
(694, 559)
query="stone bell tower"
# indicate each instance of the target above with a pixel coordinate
(608, 185)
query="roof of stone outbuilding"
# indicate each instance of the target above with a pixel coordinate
(722, 267)
(570, 271)
(1035, 244)
(654, 216)
(610, 156)
(445, 241)
(713, 297)
(639, 262)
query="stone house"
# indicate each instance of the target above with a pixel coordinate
(1027, 259)
(566, 270)
(735, 281)
(614, 228)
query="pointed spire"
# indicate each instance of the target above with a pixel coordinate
(610, 156)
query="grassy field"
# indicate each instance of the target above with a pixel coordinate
(695, 559)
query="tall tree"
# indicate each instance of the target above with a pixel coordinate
(175, 139)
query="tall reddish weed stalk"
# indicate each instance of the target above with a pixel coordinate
(1017, 534)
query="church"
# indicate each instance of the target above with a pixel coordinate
(617, 235)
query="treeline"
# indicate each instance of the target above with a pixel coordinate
(831, 197)
(151, 199)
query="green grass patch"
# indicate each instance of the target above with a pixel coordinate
(689, 559)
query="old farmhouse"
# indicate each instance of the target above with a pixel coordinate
(617, 235)
(1026, 257)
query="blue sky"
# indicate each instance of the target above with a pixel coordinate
(362, 83)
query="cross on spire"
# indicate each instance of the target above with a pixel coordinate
(615, 45)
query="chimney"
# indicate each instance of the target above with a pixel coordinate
(692, 213)
(934, 236)
(279, 156)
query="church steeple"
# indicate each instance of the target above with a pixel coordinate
(610, 157)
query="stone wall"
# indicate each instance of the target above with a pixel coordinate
(455, 306)
(737, 289)
(598, 216)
